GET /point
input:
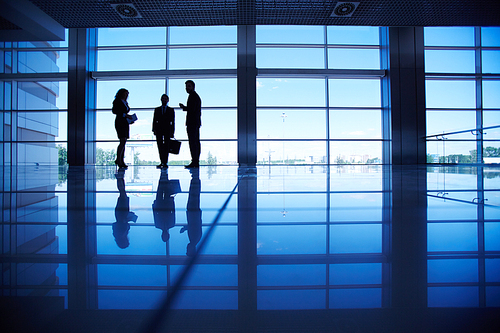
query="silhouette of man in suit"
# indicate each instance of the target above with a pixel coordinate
(163, 128)
(193, 123)
(193, 213)
(164, 205)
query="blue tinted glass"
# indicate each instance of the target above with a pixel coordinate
(490, 36)
(353, 35)
(290, 299)
(142, 93)
(354, 58)
(202, 35)
(207, 275)
(131, 275)
(442, 209)
(295, 125)
(356, 207)
(356, 124)
(452, 270)
(121, 60)
(290, 275)
(453, 296)
(213, 92)
(207, 300)
(491, 61)
(275, 34)
(202, 58)
(492, 270)
(131, 36)
(491, 94)
(129, 299)
(492, 236)
(290, 92)
(365, 298)
(299, 208)
(452, 237)
(356, 238)
(290, 58)
(309, 239)
(449, 36)
(450, 94)
(345, 274)
(493, 296)
(450, 61)
(351, 92)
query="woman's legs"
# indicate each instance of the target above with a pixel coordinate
(120, 152)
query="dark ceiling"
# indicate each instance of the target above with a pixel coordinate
(101, 13)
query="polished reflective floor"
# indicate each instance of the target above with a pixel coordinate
(267, 249)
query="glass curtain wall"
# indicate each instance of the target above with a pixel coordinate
(34, 103)
(157, 61)
(318, 95)
(462, 100)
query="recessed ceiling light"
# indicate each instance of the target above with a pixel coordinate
(126, 10)
(344, 9)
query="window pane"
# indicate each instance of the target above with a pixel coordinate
(451, 121)
(353, 35)
(142, 93)
(453, 296)
(132, 36)
(450, 61)
(356, 207)
(216, 124)
(202, 58)
(491, 61)
(356, 238)
(291, 275)
(120, 60)
(443, 151)
(355, 93)
(42, 95)
(291, 239)
(355, 124)
(451, 236)
(347, 274)
(294, 152)
(310, 208)
(290, 58)
(492, 236)
(270, 34)
(356, 152)
(491, 95)
(452, 270)
(364, 298)
(202, 35)
(290, 299)
(450, 94)
(448, 36)
(290, 124)
(213, 92)
(490, 36)
(354, 58)
(42, 62)
(290, 92)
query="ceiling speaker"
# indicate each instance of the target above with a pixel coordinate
(126, 10)
(344, 9)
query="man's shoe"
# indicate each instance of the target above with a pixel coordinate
(192, 166)
(159, 166)
(164, 166)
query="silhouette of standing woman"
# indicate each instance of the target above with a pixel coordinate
(121, 110)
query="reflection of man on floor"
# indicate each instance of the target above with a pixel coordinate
(193, 213)
(122, 215)
(164, 205)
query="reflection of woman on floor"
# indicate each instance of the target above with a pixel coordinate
(122, 215)
(164, 205)
(193, 213)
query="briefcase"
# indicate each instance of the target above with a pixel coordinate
(174, 146)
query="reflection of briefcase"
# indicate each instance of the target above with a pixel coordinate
(174, 146)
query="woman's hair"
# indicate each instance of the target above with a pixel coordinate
(120, 94)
